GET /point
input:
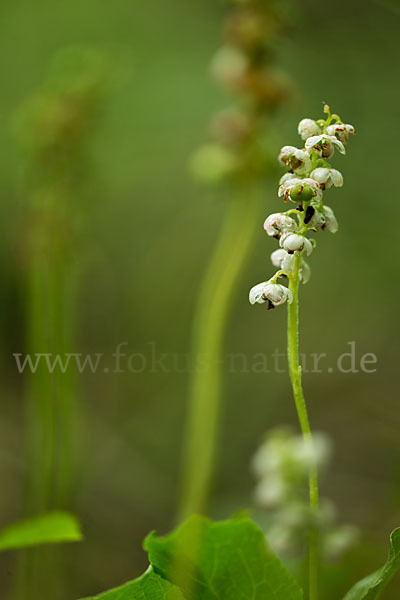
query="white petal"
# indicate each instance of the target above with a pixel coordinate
(336, 177)
(292, 242)
(312, 141)
(287, 262)
(338, 143)
(256, 293)
(321, 175)
(331, 221)
(308, 247)
(278, 256)
(286, 177)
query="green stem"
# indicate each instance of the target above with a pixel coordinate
(215, 298)
(296, 376)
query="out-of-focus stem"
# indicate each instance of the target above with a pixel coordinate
(295, 376)
(205, 395)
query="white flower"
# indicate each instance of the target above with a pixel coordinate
(285, 154)
(331, 223)
(327, 177)
(325, 144)
(278, 256)
(287, 184)
(277, 294)
(294, 158)
(308, 128)
(279, 223)
(300, 162)
(292, 242)
(342, 131)
(273, 293)
(298, 190)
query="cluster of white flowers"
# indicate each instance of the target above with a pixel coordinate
(281, 466)
(309, 175)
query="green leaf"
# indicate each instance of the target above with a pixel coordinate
(49, 528)
(227, 560)
(149, 586)
(372, 586)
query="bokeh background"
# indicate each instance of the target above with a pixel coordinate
(148, 234)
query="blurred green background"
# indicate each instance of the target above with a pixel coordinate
(148, 234)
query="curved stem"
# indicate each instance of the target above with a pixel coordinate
(215, 298)
(296, 376)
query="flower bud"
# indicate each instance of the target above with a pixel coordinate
(307, 128)
(324, 144)
(279, 223)
(327, 177)
(342, 131)
(294, 242)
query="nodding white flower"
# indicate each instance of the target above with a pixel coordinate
(278, 256)
(331, 223)
(307, 128)
(279, 223)
(300, 190)
(292, 242)
(285, 154)
(325, 144)
(294, 158)
(342, 131)
(327, 177)
(287, 184)
(272, 293)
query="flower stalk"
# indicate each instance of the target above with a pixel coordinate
(295, 373)
(309, 176)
